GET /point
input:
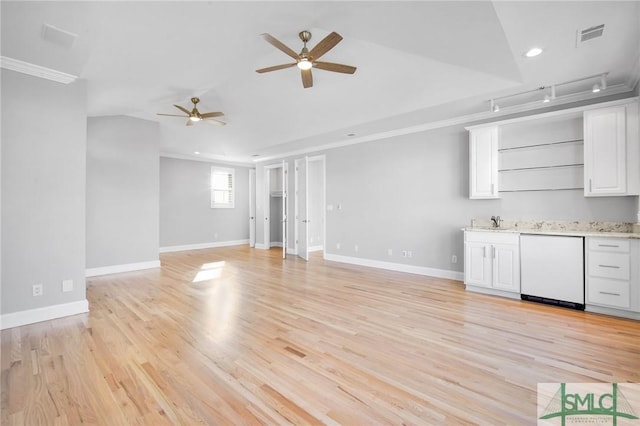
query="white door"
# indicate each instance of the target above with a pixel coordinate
(302, 170)
(483, 160)
(477, 264)
(506, 264)
(284, 209)
(252, 207)
(605, 156)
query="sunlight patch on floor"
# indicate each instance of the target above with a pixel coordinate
(209, 271)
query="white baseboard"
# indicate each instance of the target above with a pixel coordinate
(292, 251)
(315, 248)
(276, 244)
(261, 246)
(30, 316)
(199, 246)
(612, 311)
(419, 270)
(116, 269)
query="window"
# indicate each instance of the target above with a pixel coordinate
(222, 182)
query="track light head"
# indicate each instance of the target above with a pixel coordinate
(603, 81)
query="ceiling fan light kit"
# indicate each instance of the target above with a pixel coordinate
(194, 115)
(307, 59)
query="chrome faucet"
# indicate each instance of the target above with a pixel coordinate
(496, 221)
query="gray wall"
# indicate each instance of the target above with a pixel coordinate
(43, 190)
(411, 193)
(122, 191)
(186, 216)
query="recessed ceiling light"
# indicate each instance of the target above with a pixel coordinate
(534, 51)
(196, 152)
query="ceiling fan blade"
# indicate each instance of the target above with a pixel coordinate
(276, 68)
(325, 45)
(172, 115)
(330, 66)
(307, 78)
(211, 114)
(186, 111)
(214, 122)
(280, 45)
(190, 122)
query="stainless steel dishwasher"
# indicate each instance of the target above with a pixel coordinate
(552, 269)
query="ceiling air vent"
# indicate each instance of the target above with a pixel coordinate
(58, 36)
(589, 33)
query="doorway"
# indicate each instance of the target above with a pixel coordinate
(275, 229)
(309, 205)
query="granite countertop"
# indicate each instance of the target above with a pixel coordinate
(562, 228)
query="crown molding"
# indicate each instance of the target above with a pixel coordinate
(36, 70)
(207, 159)
(455, 121)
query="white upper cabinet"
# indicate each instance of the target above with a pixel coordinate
(483, 162)
(611, 151)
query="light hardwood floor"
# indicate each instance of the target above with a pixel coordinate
(238, 336)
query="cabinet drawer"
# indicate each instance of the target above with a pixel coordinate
(609, 265)
(608, 292)
(618, 245)
(489, 237)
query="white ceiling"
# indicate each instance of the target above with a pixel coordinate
(417, 61)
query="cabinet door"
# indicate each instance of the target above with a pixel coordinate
(483, 162)
(477, 264)
(605, 171)
(506, 267)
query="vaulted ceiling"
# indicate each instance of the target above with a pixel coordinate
(417, 62)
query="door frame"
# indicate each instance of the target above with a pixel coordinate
(323, 191)
(252, 207)
(267, 203)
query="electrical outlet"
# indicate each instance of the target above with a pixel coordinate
(454, 258)
(404, 253)
(37, 290)
(409, 253)
(67, 285)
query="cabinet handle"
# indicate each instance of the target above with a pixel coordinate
(493, 252)
(609, 293)
(492, 193)
(589, 185)
(484, 251)
(609, 266)
(608, 245)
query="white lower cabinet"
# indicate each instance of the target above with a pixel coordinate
(613, 276)
(492, 261)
